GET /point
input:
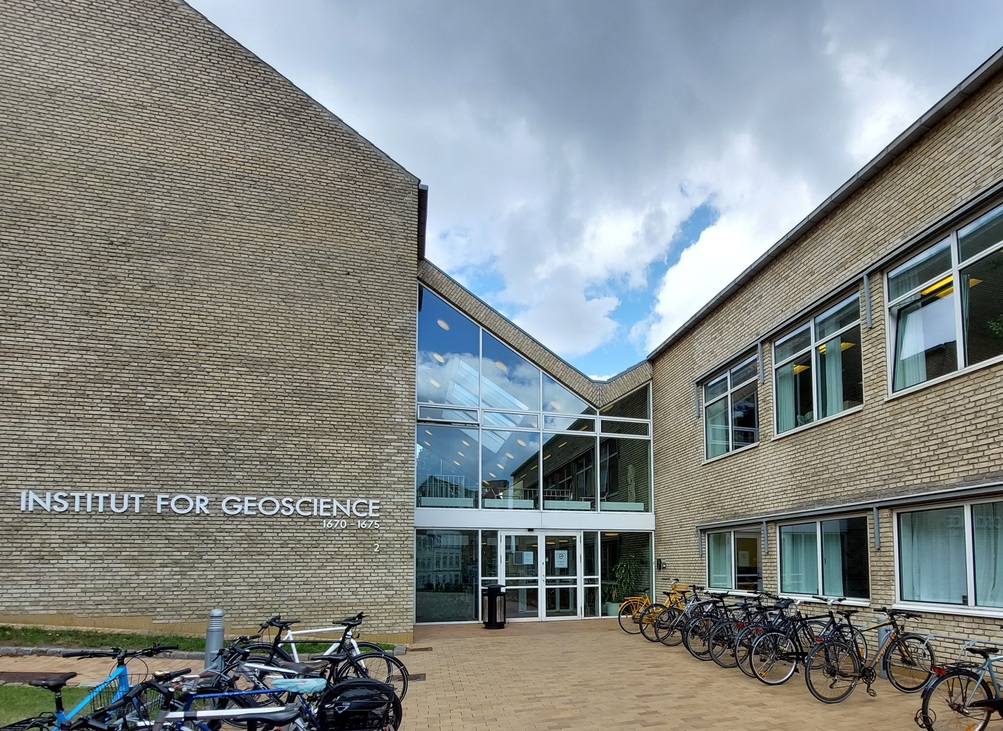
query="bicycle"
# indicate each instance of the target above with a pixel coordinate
(107, 691)
(960, 696)
(648, 616)
(346, 643)
(835, 665)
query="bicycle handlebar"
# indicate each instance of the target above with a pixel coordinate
(120, 653)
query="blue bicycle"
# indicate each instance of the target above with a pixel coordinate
(103, 694)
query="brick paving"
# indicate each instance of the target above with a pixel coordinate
(583, 675)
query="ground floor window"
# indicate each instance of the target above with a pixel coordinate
(952, 555)
(733, 560)
(826, 557)
(547, 573)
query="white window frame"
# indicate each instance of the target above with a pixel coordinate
(732, 533)
(813, 348)
(819, 557)
(728, 394)
(971, 608)
(957, 264)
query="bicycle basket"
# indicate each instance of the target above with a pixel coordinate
(359, 704)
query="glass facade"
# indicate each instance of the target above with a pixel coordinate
(496, 432)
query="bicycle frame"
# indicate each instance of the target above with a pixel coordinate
(289, 638)
(119, 677)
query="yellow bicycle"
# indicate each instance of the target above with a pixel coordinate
(637, 614)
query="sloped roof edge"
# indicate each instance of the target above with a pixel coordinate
(951, 101)
(242, 48)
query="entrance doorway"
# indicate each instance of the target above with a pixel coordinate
(542, 574)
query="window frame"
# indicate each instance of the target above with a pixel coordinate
(731, 389)
(971, 607)
(820, 555)
(929, 286)
(813, 348)
(733, 535)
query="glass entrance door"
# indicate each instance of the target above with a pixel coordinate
(561, 575)
(522, 575)
(542, 575)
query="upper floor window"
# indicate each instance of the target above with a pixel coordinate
(817, 368)
(731, 409)
(945, 304)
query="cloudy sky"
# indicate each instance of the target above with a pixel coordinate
(599, 169)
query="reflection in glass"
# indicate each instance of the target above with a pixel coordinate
(446, 460)
(925, 336)
(568, 472)
(624, 479)
(982, 308)
(509, 380)
(446, 579)
(799, 558)
(569, 423)
(511, 473)
(521, 571)
(632, 406)
(981, 234)
(448, 348)
(489, 554)
(558, 399)
(929, 264)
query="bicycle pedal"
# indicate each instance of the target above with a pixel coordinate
(872, 693)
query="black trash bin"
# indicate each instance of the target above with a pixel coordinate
(493, 606)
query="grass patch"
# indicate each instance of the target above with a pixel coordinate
(23, 701)
(73, 638)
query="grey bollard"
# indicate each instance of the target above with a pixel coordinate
(214, 639)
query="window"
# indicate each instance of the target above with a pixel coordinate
(817, 368)
(952, 555)
(490, 423)
(945, 304)
(731, 409)
(833, 550)
(733, 560)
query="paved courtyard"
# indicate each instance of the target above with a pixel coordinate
(585, 675)
(591, 675)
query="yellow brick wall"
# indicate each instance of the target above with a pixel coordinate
(207, 287)
(946, 434)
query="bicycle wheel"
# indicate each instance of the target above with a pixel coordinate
(649, 616)
(628, 616)
(722, 643)
(773, 658)
(832, 670)
(946, 703)
(908, 662)
(696, 636)
(667, 629)
(744, 641)
(385, 668)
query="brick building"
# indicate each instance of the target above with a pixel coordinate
(229, 376)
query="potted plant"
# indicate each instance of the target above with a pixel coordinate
(627, 573)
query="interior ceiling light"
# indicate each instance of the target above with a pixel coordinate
(554, 405)
(427, 443)
(799, 368)
(562, 444)
(460, 453)
(501, 366)
(428, 432)
(465, 442)
(499, 465)
(438, 357)
(435, 383)
(509, 455)
(520, 442)
(492, 474)
(456, 463)
(443, 324)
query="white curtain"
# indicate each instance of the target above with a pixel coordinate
(799, 559)
(786, 409)
(932, 556)
(832, 372)
(987, 530)
(719, 554)
(832, 562)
